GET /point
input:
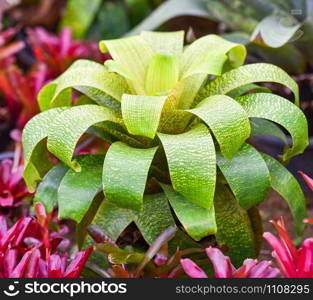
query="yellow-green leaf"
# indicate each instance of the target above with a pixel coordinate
(246, 173)
(278, 109)
(125, 172)
(89, 77)
(165, 43)
(131, 56)
(199, 222)
(260, 72)
(192, 164)
(208, 54)
(78, 189)
(70, 125)
(35, 160)
(141, 114)
(284, 183)
(228, 121)
(162, 74)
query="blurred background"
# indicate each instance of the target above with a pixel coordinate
(39, 39)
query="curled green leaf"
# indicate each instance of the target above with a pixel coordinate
(47, 192)
(228, 121)
(70, 125)
(208, 54)
(125, 172)
(199, 222)
(36, 162)
(234, 229)
(155, 217)
(260, 72)
(284, 183)
(263, 127)
(89, 77)
(282, 112)
(78, 189)
(162, 74)
(131, 58)
(250, 87)
(246, 173)
(165, 43)
(192, 164)
(112, 219)
(141, 114)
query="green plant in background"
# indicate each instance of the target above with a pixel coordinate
(280, 31)
(105, 18)
(177, 139)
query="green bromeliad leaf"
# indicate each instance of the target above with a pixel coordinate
(250, 87)
(89, 77)
(246, 173)
(125, 172)
(165, 43)
(205, 56)
(282, 112)
(265, 127)
(131, 58)
(117, 132)
(197, 221)
(192, 164)
(152, 220)
(155, 217)
(284, 183)
(260, 72)
(228, 121)
(188, 89)
(162, 74)
(47, 192)
(208, 54)
(112, 219)
(70, 125)
(78, 189)
(234, 230)
(141, 114)
(36, 162)
(81, 227)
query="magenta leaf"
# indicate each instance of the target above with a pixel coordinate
(192, 269)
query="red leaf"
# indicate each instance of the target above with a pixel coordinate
(78, 263)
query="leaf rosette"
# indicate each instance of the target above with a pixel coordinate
(178, 138)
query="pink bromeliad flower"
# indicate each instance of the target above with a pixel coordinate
(293, 262)
(53, 55)
(58, 52)
(30, 250)
(12, 186)
(223, 267)
(309, 182)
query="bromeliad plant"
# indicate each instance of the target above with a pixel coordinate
(169, 127)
